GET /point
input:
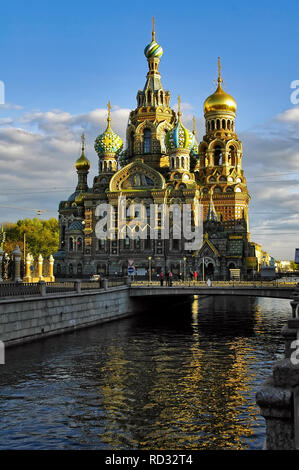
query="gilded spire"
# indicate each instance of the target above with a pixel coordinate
(220, 79)
(153, 32)
(109, 113)
(83, 142)
(194, 125)
(179, 107)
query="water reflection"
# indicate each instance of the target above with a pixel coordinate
(180, 376)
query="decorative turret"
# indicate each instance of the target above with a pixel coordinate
(179, 141)
(82, 166)
(153, 93)
(107, 145)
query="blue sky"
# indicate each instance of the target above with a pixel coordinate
(62, 61)
(74, 55)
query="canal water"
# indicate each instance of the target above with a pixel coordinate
(175, 377)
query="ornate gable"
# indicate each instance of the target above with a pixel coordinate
(136, 176)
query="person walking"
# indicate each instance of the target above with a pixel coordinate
(195, 276)
(161, 276)
(170, 278)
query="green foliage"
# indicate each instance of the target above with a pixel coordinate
(42, 236)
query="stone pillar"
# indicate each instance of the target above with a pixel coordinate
(51, 269)
(1, 258)
(278, 396)
(17, 267)
(105, 284)
(28, 277)
(40, 268)
(42, 288)
(78, 287)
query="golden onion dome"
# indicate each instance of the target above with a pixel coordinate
(220, 100)
(82, 163)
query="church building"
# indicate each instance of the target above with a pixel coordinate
(161, 163)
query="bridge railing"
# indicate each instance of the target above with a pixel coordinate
(17, 289)
(192, 283)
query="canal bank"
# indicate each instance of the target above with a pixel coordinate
(30, 318)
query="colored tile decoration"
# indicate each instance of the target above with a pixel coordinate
(108, 142)
(153, 50)
(179, 137)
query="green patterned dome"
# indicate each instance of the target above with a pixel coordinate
(179, 138)
(109, 141)
(153, 49)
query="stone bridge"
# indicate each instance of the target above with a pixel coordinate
(275, 289)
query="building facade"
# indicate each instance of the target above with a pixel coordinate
(162, 163)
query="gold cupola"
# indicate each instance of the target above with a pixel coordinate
(220, 100)
(82, 164)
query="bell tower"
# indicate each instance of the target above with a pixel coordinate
(153, 117)
(219, 169)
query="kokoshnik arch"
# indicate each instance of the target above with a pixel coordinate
(162, 163)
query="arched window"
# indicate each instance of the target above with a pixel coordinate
(223, 124)
(110, 165)
(58, 269)
(71, 244)
(228, 124)
(232, 156)
(218, 124)
(79, 268)
(213, 125)
(147, 141)
(177, 162)
(161, 97)
(217, 155)
(71, 269)
(79, 244)
(208, 126)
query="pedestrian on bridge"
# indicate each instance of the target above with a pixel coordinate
(195, 276)
(161, 276)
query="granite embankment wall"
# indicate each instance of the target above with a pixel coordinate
(29, 318)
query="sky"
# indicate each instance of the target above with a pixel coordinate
(62, 61)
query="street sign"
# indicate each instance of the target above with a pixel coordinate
(131, 270)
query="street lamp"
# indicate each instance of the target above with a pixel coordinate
(150, 269)
(185, 268)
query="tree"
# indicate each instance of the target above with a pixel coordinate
(42, 236)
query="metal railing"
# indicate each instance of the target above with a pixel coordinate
(17, 289)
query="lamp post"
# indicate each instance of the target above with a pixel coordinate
(149, 269)
(185, 268)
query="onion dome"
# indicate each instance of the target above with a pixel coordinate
(108, 142)
(82, 163)
(153, 49)
(179, 137)
(220, 100)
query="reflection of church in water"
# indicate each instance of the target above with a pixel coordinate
(162, 163)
